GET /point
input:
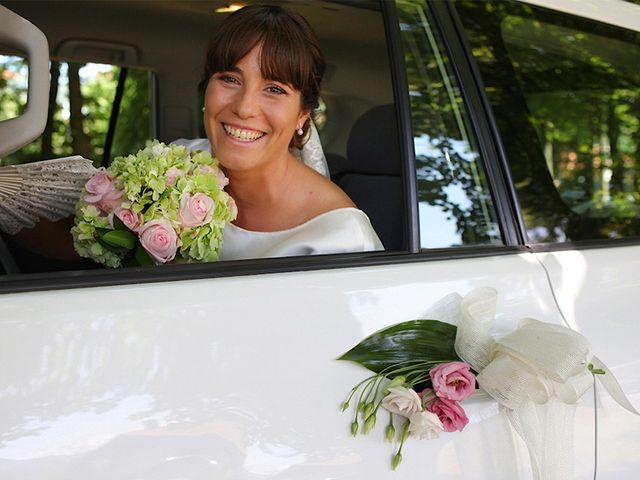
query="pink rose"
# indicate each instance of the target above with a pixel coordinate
(172, 175)
(159, 239)
(450, 414)
(233, 207)
(130, 219)
(223, 181)
(102, 191)
(195, 210)
(453, 381)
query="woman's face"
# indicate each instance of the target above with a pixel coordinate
(249, 119)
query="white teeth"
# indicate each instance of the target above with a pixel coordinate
(242, 135)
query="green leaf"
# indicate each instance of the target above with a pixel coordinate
(120, 238)
(415, 340)
(112, 248)
(142, 257)
(118, 225)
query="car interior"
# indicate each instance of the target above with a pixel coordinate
(166, 41)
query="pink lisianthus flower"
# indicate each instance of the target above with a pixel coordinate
(159, 239)
(450, 414)
(102, 192)
(195, 210)
(402, 401)
(425, 424)
(128, 217)
(453, 381)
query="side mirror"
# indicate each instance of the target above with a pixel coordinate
(18, 33)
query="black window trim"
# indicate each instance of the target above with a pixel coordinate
(30, 282)
(405, 130)
(483, 123)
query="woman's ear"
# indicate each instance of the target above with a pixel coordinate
(303, 117)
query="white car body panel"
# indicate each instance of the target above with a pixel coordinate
(237, 377)
(599, 293)
(620, 13)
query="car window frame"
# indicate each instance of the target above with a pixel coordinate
(498, 184)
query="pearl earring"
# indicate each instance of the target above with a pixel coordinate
(300, 131)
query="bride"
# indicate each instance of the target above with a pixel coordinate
(263, 71)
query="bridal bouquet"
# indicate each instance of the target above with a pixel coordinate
(149, 207)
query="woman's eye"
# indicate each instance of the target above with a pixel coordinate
(276, 89)
(227, 78)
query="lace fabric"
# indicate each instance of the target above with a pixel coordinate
(47, 189)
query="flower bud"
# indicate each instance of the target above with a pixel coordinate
(395, 382)
(354, 428)
(369, 423)
(390, 432)
(345, 405)
(397, 458)
(368, 410)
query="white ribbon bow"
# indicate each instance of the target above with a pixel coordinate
(536, 373)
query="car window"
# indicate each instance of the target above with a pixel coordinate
(13, 86)
(82, 118)
(565, 94)
(455, 204)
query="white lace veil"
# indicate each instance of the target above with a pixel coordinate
(312, 153)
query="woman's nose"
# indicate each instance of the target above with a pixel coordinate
(245, 104)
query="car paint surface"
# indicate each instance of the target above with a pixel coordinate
(238, 378)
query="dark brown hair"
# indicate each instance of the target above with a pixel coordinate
(290, 52)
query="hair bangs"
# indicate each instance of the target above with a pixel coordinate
(284, 60)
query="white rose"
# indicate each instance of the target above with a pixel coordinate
(402, 401)
(425, 424)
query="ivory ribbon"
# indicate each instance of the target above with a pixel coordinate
(536, 373)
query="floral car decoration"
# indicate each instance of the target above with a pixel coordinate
(424, 369)
(147, 208)
(418, 379)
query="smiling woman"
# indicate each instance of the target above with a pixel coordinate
(263, 71)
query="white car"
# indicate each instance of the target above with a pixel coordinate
(491, 144)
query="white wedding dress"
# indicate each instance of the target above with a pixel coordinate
(339, 231)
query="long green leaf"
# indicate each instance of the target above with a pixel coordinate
(427, 340)
(142, 257)
(120, 238)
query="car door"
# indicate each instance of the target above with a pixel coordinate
(564, 99)
(229, 370)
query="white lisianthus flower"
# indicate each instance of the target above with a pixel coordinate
(402, 401)
(425, 424)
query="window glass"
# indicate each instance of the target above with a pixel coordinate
(566, 97)
(80, 109)
(14, 76)
(455, 206)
